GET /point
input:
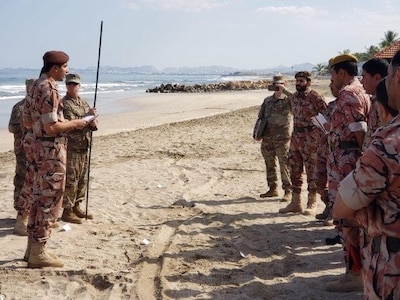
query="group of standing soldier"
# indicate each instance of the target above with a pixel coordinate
(51, 142)
(352, 161)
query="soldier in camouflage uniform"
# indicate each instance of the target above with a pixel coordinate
(320, 170)
(48, 126)
(77, 152)
(22, 201)
(306, 103)
(346, 135)
(373, 71)
(276, 109)
(369, 196)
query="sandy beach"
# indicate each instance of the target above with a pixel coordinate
(174, 190)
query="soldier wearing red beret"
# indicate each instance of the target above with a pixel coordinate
(43, 113)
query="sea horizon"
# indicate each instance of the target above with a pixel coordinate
(112, 87)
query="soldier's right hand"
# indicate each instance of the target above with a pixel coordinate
(80, 123)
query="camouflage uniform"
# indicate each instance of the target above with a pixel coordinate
(373, 190)
(15, 127)
(77, 153)
(352, 107)
(304, 139)
(320, 170)
(50, 158)
(276, 139)
(373, 122)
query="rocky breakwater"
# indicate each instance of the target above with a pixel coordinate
(212, 87)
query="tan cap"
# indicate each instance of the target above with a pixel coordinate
(342, 58)
(75, 78)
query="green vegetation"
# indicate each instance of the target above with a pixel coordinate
(389, 38)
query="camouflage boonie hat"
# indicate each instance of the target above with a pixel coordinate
(278, 79)
(74, 78)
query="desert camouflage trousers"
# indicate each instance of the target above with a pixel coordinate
(340, 164)
(24, 202)
(76, 182)
(381, 272)
(20, 171)
(320, 171)
(303, 154)
(50, 159)
(271, 150)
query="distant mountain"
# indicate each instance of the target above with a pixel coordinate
(220, 70)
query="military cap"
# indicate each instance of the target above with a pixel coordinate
(342, 58)
(75, 78)
(55, 57)
(29, 82)
(305, 74)
(278, 79)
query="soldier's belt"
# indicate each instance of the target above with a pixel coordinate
(348, 144)
(303, 129)
(59, 140)
(392, 244)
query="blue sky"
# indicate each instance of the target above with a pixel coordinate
(243, 34)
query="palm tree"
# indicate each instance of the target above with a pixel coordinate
(320, 69)
(345, 51)
(371, 50)
(388, 39)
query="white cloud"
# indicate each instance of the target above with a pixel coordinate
(305, 11)
(181, 5)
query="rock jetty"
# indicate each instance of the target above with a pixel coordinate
(212, 87)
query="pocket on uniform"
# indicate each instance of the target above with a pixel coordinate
(55, 183)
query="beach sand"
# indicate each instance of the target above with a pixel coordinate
(175, 190)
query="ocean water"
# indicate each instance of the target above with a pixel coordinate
(112, 87)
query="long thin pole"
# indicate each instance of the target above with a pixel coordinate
(91, 132)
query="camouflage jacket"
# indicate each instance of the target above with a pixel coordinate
(15, 126)
(76, 109)
(373, 188)
(43, 105)
(306, 105)
(278, 114)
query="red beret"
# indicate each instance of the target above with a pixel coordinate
(55, 57)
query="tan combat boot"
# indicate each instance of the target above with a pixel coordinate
(39, 258)
(270, 193)
(294, 206)
(311, 205)
(70, 217)
(80, 213)
(287, 196)
(28, 251)
(21, 224)
(347, 283)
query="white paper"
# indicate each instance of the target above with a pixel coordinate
(66, 227)
(319, 121)
(90, 118)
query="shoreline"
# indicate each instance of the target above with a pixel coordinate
(156, 109)
(153, 109)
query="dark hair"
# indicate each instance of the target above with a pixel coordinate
(396, 60)
(349, 66)
(46, 68)
(376, 66)
(383, 99)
